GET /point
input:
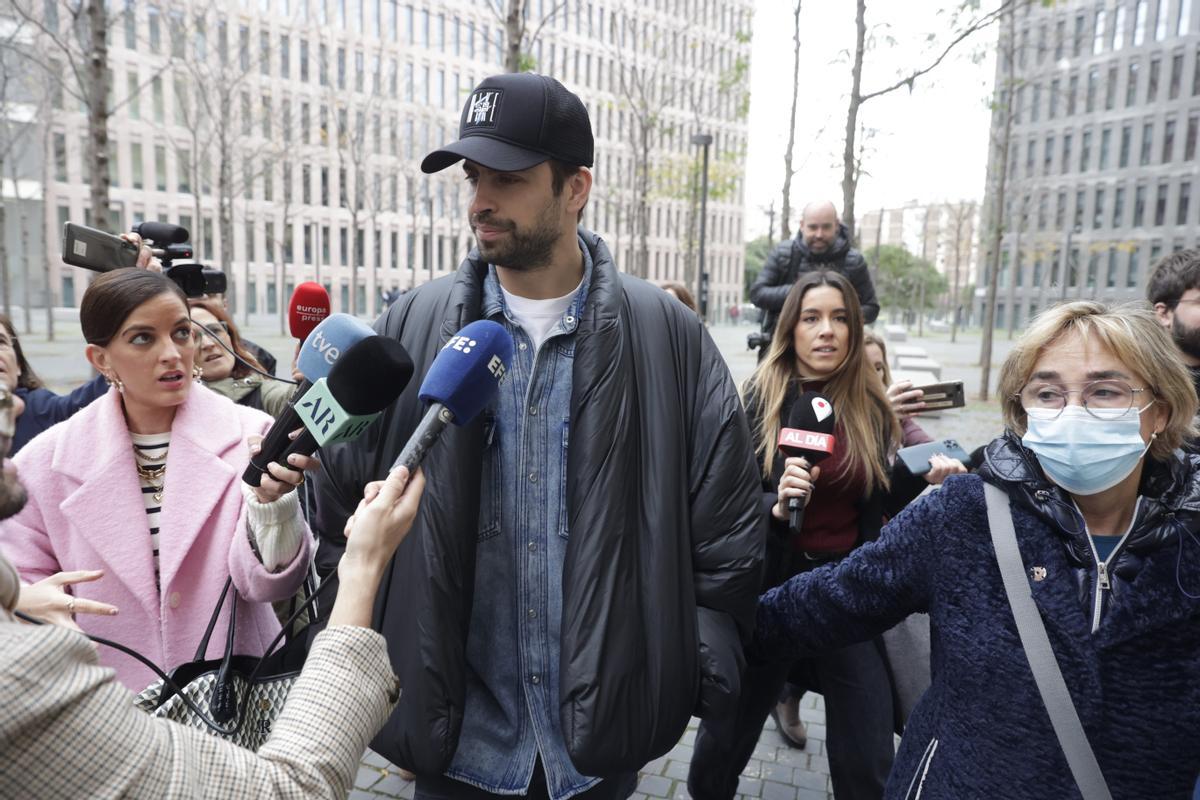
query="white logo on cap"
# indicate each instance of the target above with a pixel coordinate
(821, 408)
(483, 108)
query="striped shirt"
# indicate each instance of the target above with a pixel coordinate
(151, 452)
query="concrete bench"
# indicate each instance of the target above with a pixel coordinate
(919, 364)
(907, 351)
(939, 327)
(895, 333)
(918, 377)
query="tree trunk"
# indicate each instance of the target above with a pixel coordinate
(849, 170)
(97, 112)
(47, 119)
(4, 258)
(27, 293)
(514, 32)
(785, 228)
(1001, 165)
(956, 292)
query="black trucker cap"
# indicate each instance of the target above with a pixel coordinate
(516, 121)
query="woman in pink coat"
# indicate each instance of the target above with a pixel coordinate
(145, 484)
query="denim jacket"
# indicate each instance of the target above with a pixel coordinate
(513, 645)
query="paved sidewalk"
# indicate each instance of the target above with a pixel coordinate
(775, 771)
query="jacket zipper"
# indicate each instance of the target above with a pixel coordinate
(1103, 581)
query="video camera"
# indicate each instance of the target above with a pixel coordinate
(103, 252)
(757, 339)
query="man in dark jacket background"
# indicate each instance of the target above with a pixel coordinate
(822, 243)
(586, 562)
(1174, 292)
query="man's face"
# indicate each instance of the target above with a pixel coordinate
(819, 228)
(12, 493)
(515, 216)
(1183, 322)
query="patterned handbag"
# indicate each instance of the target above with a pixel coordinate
(235, 697)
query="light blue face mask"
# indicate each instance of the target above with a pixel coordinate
(1084, 453)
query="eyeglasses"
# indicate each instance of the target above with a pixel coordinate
(217, 330)
(1097, 396)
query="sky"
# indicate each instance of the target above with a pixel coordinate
(929, 145)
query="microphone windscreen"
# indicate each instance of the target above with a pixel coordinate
(327, 342)
(161, 233)
(812, 411)
(307, 309)
(466, 373)
(370, 375)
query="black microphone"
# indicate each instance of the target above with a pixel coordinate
(809, 435)
(365, 380)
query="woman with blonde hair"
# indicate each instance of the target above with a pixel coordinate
(1062, 581)
(818, 346)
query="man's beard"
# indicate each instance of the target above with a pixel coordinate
(1186, 339)
(12, 496)
(523, 250)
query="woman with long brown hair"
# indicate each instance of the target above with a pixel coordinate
(818, 346)
(227, 366)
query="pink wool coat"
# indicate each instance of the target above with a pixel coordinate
(85, 511)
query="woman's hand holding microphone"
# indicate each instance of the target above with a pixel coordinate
(798, 481)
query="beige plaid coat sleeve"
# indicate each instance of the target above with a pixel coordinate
(69, 730)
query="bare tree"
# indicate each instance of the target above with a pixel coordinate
(647, 59)
(858, 97)
(1002, 121)
(785, 226)
(518, 38)
(355, 163)
(83, 74)
(962, 217)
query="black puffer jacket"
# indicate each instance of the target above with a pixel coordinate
(1170, 502)
(790, 259)
(663, 563)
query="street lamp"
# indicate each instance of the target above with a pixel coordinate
(705, 140)
(1067, 261)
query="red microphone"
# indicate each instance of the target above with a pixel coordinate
(308, 307)
(809, 434)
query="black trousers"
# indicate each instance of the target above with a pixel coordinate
(858, 712)
(440, 787)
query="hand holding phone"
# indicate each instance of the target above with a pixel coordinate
(916, 458)
(96, 250)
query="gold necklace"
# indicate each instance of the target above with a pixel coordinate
(152, 474)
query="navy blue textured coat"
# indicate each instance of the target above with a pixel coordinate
(981, 730)
(44, 408)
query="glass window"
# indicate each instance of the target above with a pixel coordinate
(1189, 143)
(1160, 22)
(1118, 215)
(1098, 38)
(1168, 146)
(160, 167)
(1185, 17)
(1085, 150)
(1110, 279)
(1160, 205)
(1147, 142)
(1176, 76)
(1119, 27)
(1110, 88)
(1105, 147)
(1126, 144)
(1065, 163)
(1131, 277)
(1093, 79)
(1131, 83)
(1139, 23)
(1185, 199)
(1098, 209)
(1139, 205)
(135, 164)
(1152, 81)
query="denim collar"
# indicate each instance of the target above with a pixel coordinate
(493, 297)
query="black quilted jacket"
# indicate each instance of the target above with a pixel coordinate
(665, 554)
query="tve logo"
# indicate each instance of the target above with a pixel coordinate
(325, 347)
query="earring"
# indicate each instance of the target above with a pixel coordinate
(112, 380)
(197, 372)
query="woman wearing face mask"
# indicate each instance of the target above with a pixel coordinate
(227, 375)
(818, 346)
(1105, 512)
(145, 485)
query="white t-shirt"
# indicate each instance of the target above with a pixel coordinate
(538, 317)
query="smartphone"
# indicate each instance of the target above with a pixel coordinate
(916, 458)
(943, 395)
(96, 250)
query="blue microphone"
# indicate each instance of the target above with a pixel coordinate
(321, 349)
(462, 380)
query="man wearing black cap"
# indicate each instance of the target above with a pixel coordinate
(587, 557)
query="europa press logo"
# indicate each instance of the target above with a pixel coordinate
(821, 408)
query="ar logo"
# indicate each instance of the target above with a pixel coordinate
(483, 107)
